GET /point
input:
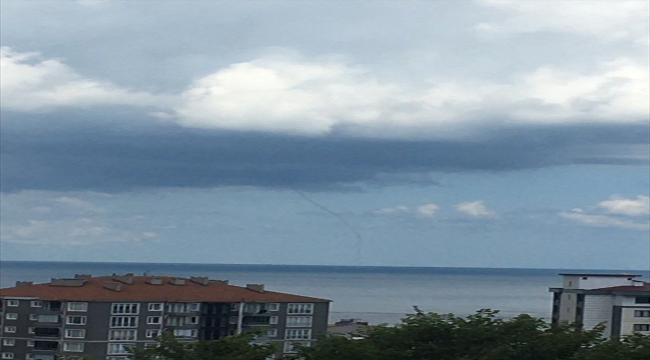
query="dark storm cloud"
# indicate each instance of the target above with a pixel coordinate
(119, 157)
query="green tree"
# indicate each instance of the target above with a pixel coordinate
(239, 347)
(481, 336)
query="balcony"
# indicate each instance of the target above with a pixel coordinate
(256, 320)
(46, 345)
(47, 332)
(48, 319)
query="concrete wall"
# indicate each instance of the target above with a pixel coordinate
(598, 309)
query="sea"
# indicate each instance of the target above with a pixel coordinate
(368, 293)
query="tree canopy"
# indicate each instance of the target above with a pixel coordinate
(429, 336)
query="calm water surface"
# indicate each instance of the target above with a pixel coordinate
(375, 294)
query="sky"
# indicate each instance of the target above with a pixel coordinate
(488, 133)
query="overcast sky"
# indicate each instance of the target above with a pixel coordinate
(488, 133)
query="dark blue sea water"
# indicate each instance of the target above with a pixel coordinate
(375, 294)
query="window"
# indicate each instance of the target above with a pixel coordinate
(271, 332)
(30, 343)
(641, 327)
(124, 321)
(153, 320)
(298, 321)
(75, 320)
(642, 300)
(30, 330)
(48, 318)
(273, 320)
(125, 308)
(177, 307)
(152, 333)
(122, 335)
(192, 320)
(298, 334)
(10, 329)
(37, 303)
(77, 306)
(119, 349)
(300, 308)
(11, 316)
(641, 313)
(75, 333)
(33, 317)
(234, 307)
(155, 307)
(12, 303)
(185, 332)
(273, 307)
(7, 355)
(73, 346)
(292, 346)
(8, 342)
(194, 306)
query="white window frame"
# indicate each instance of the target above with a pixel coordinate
(156, 307)
(30, 330)
(192, 332)
(118, 347)
(68, 320)
(273, 307)
(68, 333)
(10, 329)
(151, 318)
(13, 303)
(152, 333)
(8, 342)
(131, 322)
(271, 332)
(11, 316)
(191, 320)
(297, 321)
(132, 335)
(33, 317)
(77, 306)
(30, 343)
(73, 346)
(125, 309)
(297, 334)
(300, 308)
(193, 306)
(273, 320)
(7, 355)
(36, 304)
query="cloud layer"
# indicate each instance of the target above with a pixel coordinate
(293, 95)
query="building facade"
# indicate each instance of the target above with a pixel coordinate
(620, 301)
(104, 316)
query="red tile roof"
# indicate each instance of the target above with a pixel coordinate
(643, 288)
(141, 290)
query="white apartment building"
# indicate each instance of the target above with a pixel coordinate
(620, 301)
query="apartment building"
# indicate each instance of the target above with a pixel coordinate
(102, 316)
(620, 301)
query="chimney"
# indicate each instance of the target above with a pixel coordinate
(255, 287)
(154, 281)
(125, 279)
(82, 276)
(24, 283)
(115, 286)
(67, 282)
(200, 280)
(177, 281)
